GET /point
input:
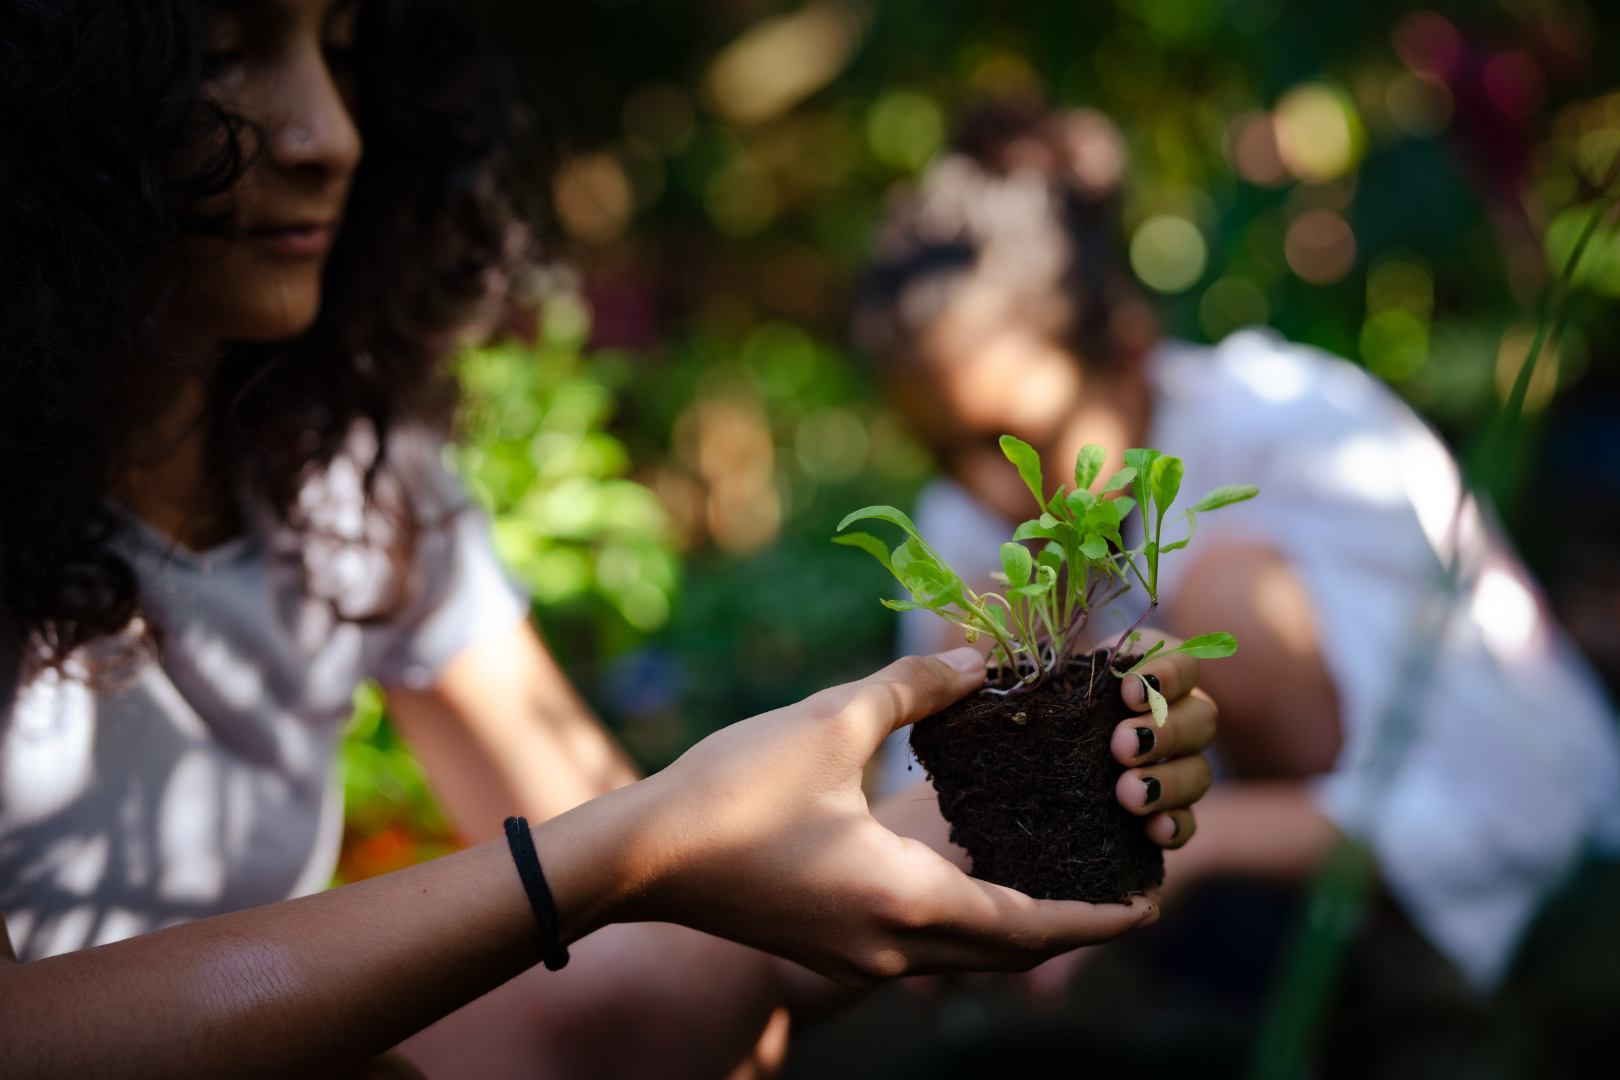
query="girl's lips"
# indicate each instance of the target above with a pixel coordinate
(301, 241)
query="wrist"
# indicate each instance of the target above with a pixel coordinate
(592, 859)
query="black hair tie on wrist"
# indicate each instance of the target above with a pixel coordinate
(552, 951)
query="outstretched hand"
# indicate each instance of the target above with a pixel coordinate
(761, 834)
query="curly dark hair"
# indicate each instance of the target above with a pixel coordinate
(1026, 200)
(99, 97)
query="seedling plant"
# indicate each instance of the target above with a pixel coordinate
(1050, 597)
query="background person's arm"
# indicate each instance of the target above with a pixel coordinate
(759, 832)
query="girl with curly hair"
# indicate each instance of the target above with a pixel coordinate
(235, 239)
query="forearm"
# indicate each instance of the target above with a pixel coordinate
(504, 732)
(1257, 828)
(308, 987)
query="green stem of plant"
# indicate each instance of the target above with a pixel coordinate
(1549, 325)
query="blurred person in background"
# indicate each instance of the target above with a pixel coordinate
(998, 300)
(237, 239)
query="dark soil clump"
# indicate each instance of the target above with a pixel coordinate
(1027, 783)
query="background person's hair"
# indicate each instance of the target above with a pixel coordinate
(1019, 216)
(99, 96)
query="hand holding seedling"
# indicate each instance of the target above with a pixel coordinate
(1044, 779)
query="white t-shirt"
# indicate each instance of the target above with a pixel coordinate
(1512, 773)
(207, 782)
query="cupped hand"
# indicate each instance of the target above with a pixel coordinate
(761, 834)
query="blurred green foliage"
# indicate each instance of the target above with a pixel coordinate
(668, 456)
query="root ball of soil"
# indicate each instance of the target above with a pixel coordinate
(1027, 783)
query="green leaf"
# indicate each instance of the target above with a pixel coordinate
(1033, 530)
(882, 513)
(867, 542)
(1094, 548)
(1049, 522)
(1048, 578)
(1023, 455)
(1226, 495)
(1056, 504)
(1141, 460)
(1192, 527)
(1079, 502)
(1124, 504)
(1166, 479)
(1207, 646)
(1051, 555)
(1103, 519)
(1121, 479)
(1090, 463)
(908, 605)
(1017, 564)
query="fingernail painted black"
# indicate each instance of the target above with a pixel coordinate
(1153, 681)
(1153, 792)
(1145, 740)
(1177, 821)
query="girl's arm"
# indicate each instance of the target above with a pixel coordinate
(759, 833)
(503, 729)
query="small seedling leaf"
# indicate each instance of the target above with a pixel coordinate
(1124, 504)
(1207, 646)
(1033, 530)
(1056, 504)
(882, 513)
(1051, 555)
(1156, 702)
(1090, 463)
(1094, 547)
(1141, 460)
(867, 542)
(1226, 495)
(1023, 455)
(1166, 477)
(1080, 502)
(1121, 479)
(908, 605)
(1017, 563)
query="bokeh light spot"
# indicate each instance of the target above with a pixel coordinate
(1420, 107)
(904, 129)
(1515, 83)
(1168, 253)
(781, 61)
(1319, 134)
(1320, 247)
(1427, 43)
(593, 197)
(833, 445)
(1394, 344)
(1251, 149)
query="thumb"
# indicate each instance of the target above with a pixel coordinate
(915, 687)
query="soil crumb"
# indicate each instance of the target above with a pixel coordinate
(1027, 783)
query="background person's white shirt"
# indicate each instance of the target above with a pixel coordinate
(1513, 773)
